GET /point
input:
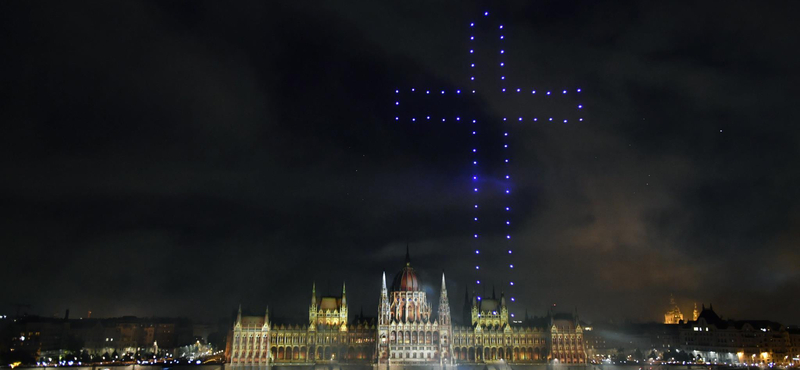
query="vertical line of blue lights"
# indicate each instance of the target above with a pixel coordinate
(506, 174)
(476, 175)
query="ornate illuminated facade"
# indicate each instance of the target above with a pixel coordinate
(256, 343)
(249, 345)
(331, 312)
(407, 333)
(491, 337)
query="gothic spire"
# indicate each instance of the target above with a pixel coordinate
(408, 256)
(444, 305)
(314, 293)
(239, 315)
(443, 296)
(383, 307)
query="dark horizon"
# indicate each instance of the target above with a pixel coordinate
(179, 159)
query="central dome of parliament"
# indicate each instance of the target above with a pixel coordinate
(406, 279)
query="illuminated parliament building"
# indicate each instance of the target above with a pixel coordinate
(406, 333)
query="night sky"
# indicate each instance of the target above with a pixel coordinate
(181, 158)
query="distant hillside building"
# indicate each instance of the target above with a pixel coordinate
(708, 339)
(736, 341)
(673, 315)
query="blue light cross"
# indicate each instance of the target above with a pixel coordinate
(491, 205)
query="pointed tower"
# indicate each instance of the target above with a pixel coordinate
(445, 326)
(343, 310)
(313, 309)
(239, 317)
(235, 341)
(444, 305)
(474, 311)
(384, 320)
(695, 313)
(314, 293)
(503, 311)
(384, 310)
(265, 339)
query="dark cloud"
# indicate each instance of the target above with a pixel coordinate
(177, 159)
